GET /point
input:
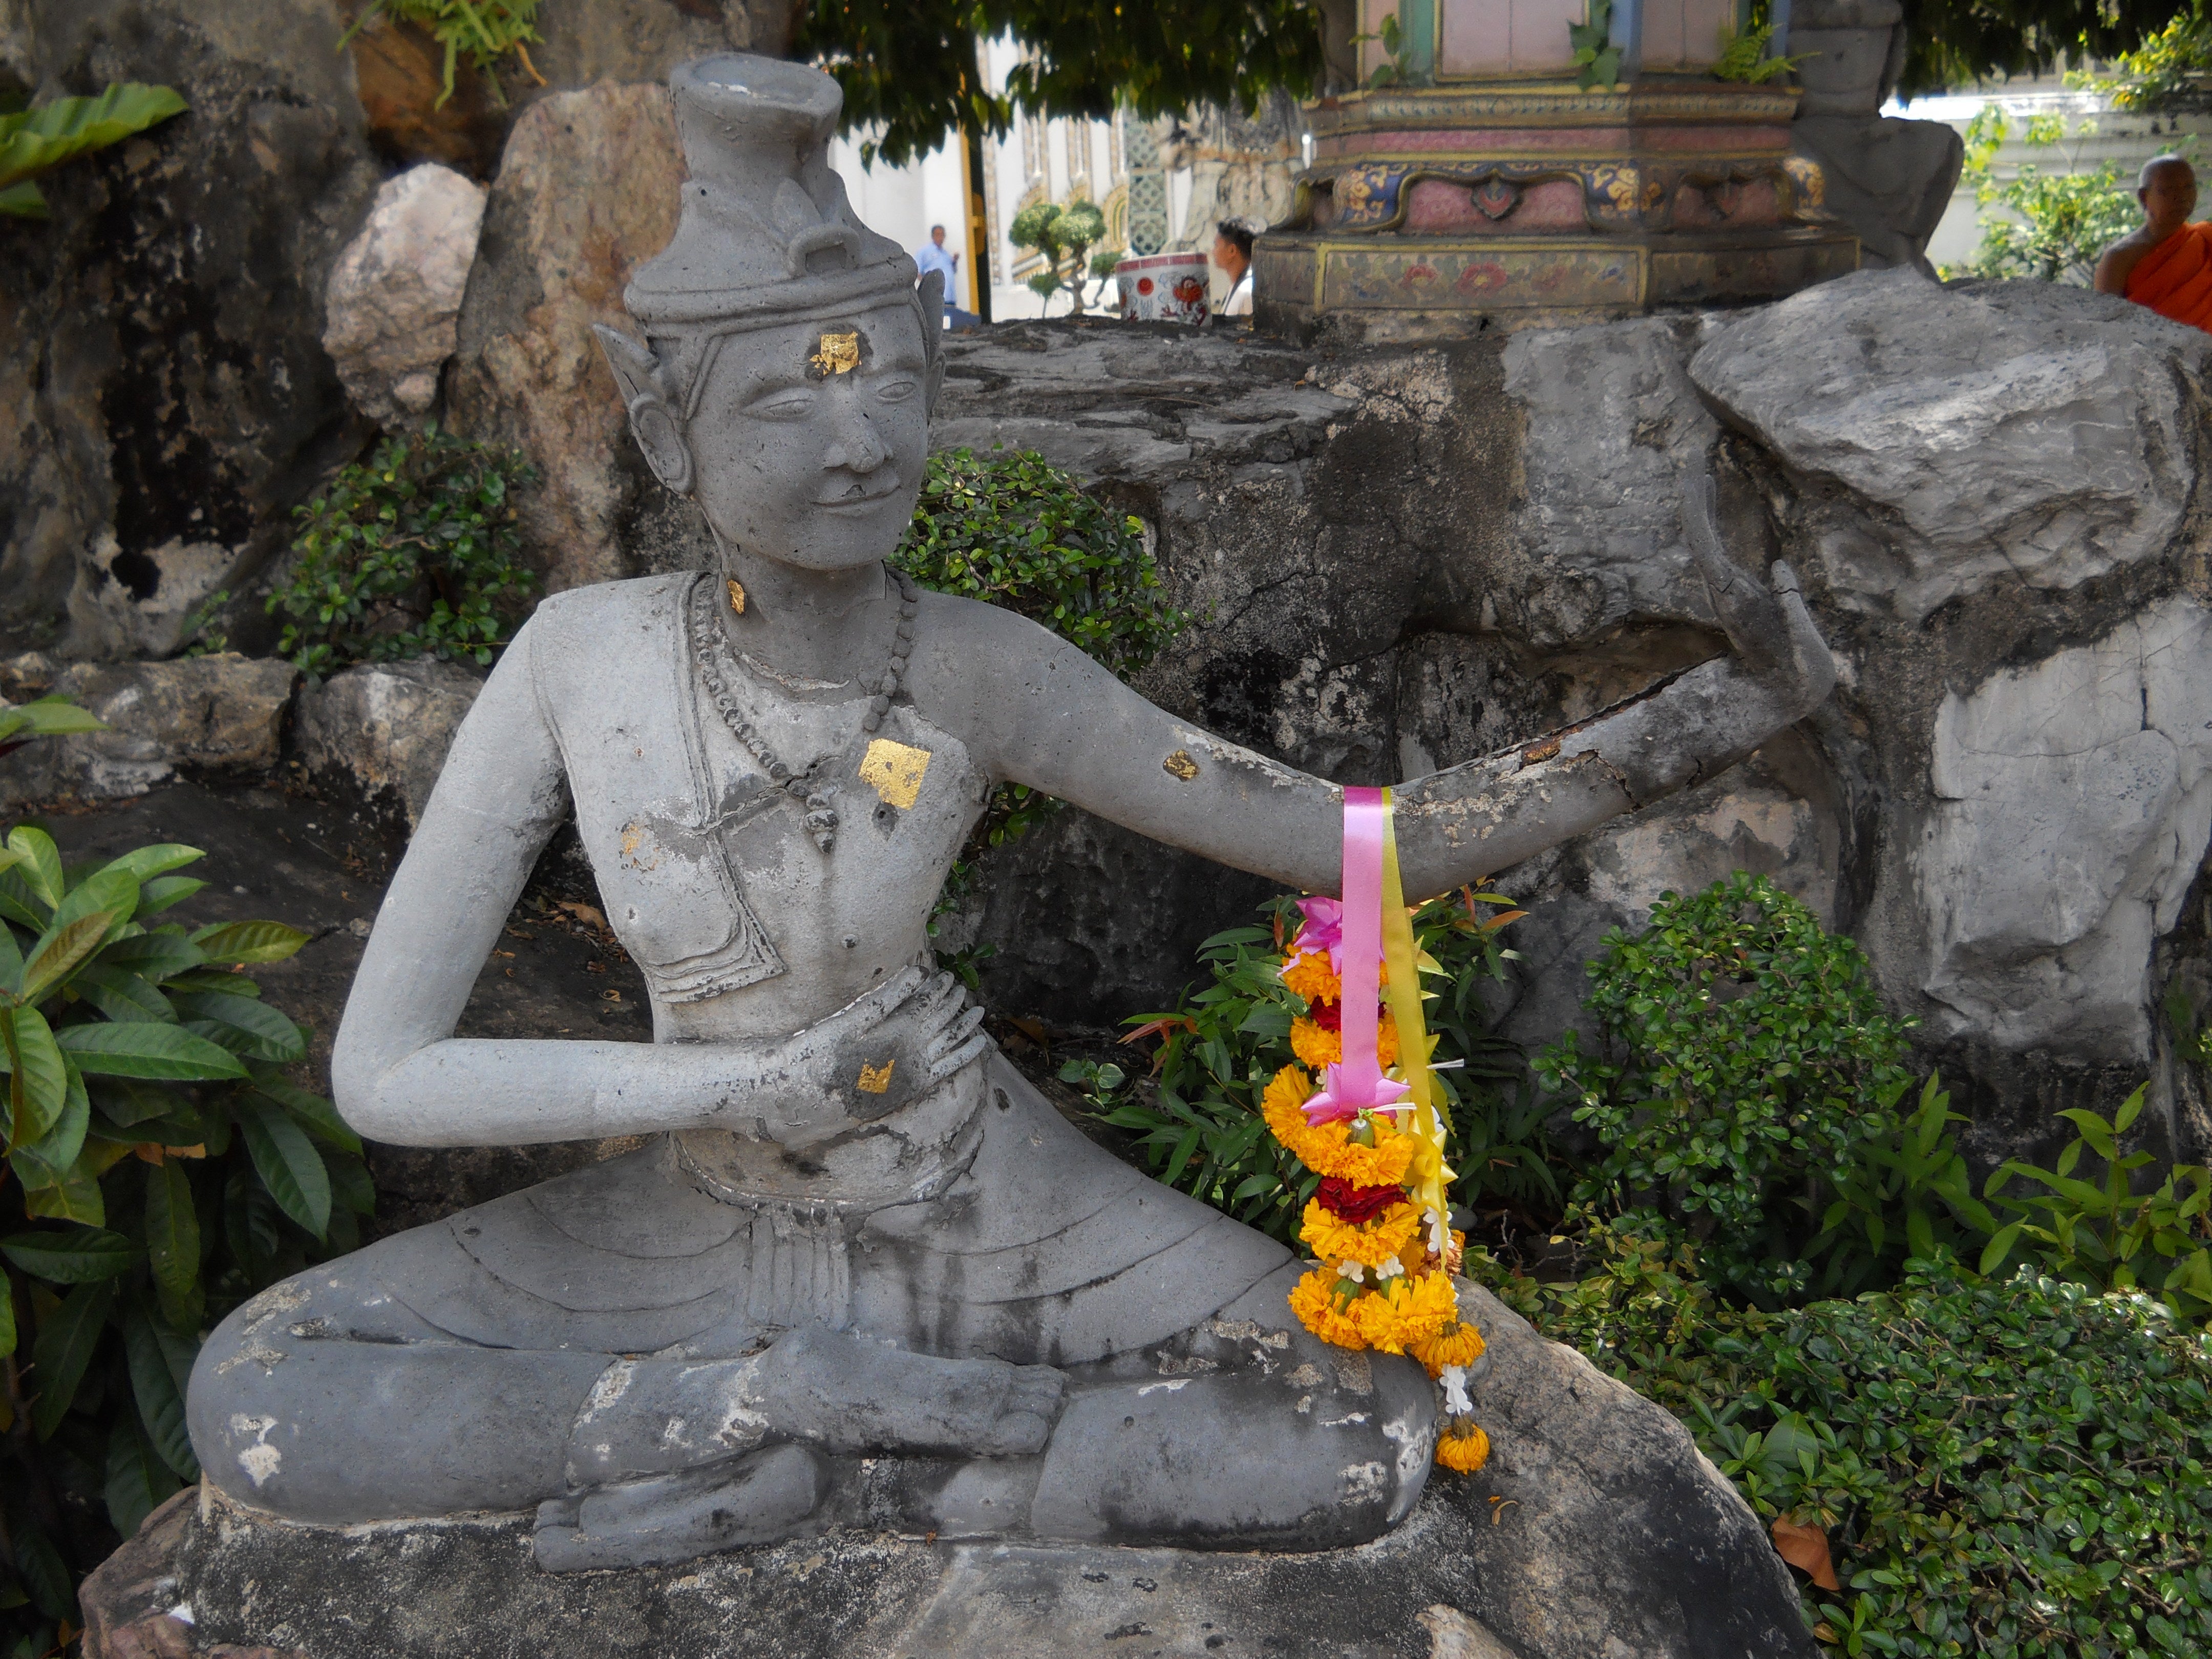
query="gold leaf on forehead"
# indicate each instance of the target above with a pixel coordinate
(894, 770)
(840, 354)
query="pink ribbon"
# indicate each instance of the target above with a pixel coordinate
(1357, 1083)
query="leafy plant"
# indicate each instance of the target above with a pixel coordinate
(1742, 1051)
(169, 1169)
(1064, 235)
(1392, 40)
(1743, 56)
(44, 717)
(1905, 1196)
(2050, 226)
(2107, 1236)
(1198, 1122)
(36, 141)
(487, 30)
(2169, 73)
(1599, 59)
(414, 553)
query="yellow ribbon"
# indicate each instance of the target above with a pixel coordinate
(1429, 1178)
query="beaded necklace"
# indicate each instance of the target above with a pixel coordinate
(710, 649)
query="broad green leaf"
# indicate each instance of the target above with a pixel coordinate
(45, 136)
(288, 1163)
(59, 1147)
(76, 1199)
(138, 1480)
(51, 1585)
(38, 864)
(172, 1243)
(123, 995)
(274, 1037)
(145, 863)
(66, 944)
(352, 1189)
(126, 1102)
(158, 956)
(2000, 1246)
(7, 1317)
(115, 892)
(146, 1050)
(227, 942)
(53, 715)
(11, 962)
(63, 1348)
(319, 1117)
(163, 891)
(160, 1392)
(223, 982)
(84, 1255)
(37, 1084)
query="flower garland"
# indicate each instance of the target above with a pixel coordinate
(1378, 1224)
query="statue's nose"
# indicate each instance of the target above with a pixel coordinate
(853, 444)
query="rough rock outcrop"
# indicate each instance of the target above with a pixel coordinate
(1399, 559)
(165, 398)
(383, 728)
(561, 237)
(395, 295)
(222, 712)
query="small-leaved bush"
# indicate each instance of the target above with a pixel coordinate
(2014, 1468)
(415, 552)
(1197, 1119)
(161, 1167)
(2050, 225)
(1743, 1051)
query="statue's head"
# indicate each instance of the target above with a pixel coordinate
(791, 360)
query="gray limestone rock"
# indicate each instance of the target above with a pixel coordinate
(384, 728)
(1960, 437)
(163, 387)
(2073, 804)
(220, 712)
(395, 294)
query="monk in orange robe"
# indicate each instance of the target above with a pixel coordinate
(2167, 263)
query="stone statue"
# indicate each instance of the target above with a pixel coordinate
(862, 1274)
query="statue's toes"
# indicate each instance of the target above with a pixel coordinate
(759, 1498)
(1031, 1408)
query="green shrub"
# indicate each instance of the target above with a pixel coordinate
(487, 30)
(1197, 1120)
(416, 552)
(2050, 226)
(1742, 1053)
(2006, 1469)
(1064, 235)
(168, 1170)
(34, 142)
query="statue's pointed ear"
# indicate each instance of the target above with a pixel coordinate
(930, 292)
(656, 425)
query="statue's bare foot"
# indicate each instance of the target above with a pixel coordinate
(848, 1394)
(759, 1498)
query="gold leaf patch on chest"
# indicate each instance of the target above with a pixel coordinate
(893, 771)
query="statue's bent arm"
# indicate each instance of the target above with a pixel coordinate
(398, 1072)
(1075, 732)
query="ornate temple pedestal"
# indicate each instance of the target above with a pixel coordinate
(1437, 212)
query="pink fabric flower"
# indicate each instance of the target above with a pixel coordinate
(1333, 1105)
(1323, 931)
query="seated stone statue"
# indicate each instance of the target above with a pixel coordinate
(861, 1273)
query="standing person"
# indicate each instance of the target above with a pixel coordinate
(2166, 263)
(933, 255)
(1232, 253)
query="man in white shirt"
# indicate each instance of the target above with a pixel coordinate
(1232, 252)
(933, 255)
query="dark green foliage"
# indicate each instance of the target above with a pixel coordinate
(1012, 530)
(1198, 1118)
(2011, 1468)
(1956, 43)
(160, 1169)
(416, 552)
(911, 68)
(34, 142)
(1742, 1051)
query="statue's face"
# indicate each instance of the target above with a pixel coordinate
(809, 438)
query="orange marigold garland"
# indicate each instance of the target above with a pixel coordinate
(1378, 1226)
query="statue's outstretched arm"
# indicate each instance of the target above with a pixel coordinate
(1075, 732)
(400, 1075)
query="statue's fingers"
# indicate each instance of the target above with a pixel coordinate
(967, 1054)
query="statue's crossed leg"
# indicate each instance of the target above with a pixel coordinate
(325, 1400)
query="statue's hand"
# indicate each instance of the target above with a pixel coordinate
(899, 1041)
(1767, 621)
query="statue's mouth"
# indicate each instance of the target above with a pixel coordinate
(860, 491)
